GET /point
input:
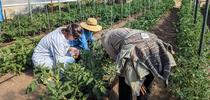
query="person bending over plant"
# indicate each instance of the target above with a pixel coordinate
(54, 47)
(84, 42)
(140, 57)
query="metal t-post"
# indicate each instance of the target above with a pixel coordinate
(59, 8)
(47, 17)
(203, 28)
(195, 11)
(5, 15)
(29, 8)
(94, 5)
(79, 6)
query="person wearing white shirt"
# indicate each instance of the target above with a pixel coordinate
(54, 47)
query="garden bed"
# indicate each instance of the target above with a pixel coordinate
(93, 76)
(10, 63)
(190, 77)
(24, 25)
(151, 21)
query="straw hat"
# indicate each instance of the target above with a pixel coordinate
(91, 25)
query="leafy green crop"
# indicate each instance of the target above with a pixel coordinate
(190, 78)
(77, 81)
(24, 25)
(89, 78)
(151, 16)
(107, 14)
(17, 57)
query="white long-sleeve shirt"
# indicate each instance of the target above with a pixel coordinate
(51, 49)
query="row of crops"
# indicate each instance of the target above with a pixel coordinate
(88, 79)
(97, 74)
(16, 57)
(48, 20)
(190, 77)
(91, 77)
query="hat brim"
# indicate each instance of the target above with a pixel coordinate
(91, 28)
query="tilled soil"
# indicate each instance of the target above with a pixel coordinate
(14, 88)
(165, 29)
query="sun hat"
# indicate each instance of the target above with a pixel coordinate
(91, 25)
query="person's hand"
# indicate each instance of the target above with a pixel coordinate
(74, 52)
(143, 89)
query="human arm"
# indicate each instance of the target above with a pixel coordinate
(83, 42)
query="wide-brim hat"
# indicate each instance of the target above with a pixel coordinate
(91, 25)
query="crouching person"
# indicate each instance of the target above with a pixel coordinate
(54, 47)
(140, 57)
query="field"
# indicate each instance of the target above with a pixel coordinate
(94, 76)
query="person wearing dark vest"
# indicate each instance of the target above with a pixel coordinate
(140, 57)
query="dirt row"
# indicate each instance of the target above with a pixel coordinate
(165, 29)
(13, 87)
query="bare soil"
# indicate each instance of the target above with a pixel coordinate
(14, 88)
(165, 29)
(6, 44)
(123, 22)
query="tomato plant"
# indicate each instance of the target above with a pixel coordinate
(150, 18)
(23, 25)
(17, 57)
(79, 81)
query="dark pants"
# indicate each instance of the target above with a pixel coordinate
(125, 92)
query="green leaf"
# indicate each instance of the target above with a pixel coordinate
(89, 81)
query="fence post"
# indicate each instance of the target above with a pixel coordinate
(94, 5)
(195, 11)
(79, 6)
(5, 15)
(112, 13)
(59, 8)
(47, 17)
(203, 28)
(29, 8)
